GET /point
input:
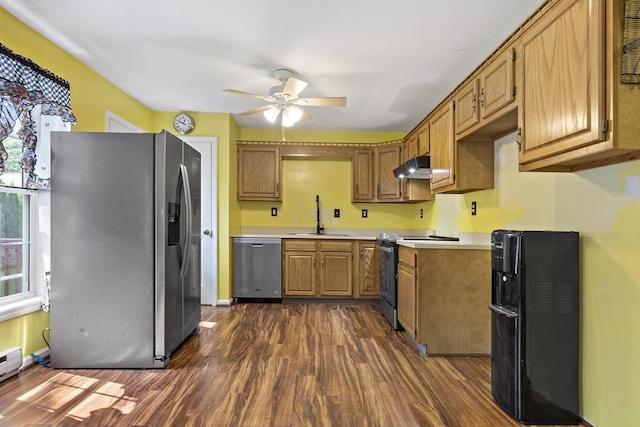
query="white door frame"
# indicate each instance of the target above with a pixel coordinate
(213, 227)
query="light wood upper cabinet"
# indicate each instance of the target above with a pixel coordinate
(363, 175)
(388, 157)
(259, 173)
(497, 84)
(466, 102)
(563, 79)
(575, 113)
(443, 151)
(482, 102)
(412, 147)
(423, 139)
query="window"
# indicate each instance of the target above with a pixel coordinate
(14, 242)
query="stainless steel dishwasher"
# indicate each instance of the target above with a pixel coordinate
(257, 267)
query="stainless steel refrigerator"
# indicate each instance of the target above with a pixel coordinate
(125, 248)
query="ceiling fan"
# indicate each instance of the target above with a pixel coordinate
(284, 99)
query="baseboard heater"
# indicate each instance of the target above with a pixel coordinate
(10, 362)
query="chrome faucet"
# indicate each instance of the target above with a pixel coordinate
(319, 230)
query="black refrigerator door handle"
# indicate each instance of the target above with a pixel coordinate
(186, 252)
(503, 311)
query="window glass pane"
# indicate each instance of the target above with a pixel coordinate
(12, 175)
(14, 243)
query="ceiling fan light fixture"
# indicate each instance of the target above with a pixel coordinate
(291, 115)
(271, 114)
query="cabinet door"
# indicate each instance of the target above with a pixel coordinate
(368, 286)
(442, 141)
(336, 274)
(497, 87)
(407, 298)
(388, 158)
(423, 139)
(363, 175)
(299, 273)
(562, 104)
(466, 101)
(259, 173)
(412, 146)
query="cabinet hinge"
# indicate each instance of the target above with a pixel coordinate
(605, 126)
(513, 91)
(513, 54)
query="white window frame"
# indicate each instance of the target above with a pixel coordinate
(30, 301)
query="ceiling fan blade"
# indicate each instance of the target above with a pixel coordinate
(305, 116)
(335, 101)
(239, 92)
(294, 86)
(256, 110)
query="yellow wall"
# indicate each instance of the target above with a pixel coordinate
(330, 178)
(603, 204)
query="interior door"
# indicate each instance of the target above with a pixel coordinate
(208, 220)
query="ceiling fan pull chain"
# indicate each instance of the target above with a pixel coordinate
(283, 138)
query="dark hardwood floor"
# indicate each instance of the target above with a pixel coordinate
(256, 365)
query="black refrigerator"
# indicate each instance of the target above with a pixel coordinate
(535, 325)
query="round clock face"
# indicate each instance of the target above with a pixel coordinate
(183, 123)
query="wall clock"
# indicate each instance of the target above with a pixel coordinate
(184, 123)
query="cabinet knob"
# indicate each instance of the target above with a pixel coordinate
(207, 232)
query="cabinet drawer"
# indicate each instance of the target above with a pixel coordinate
(299, 245)
(335, 246)
(408, 256)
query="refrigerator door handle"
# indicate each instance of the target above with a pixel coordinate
(504, 311)
(186, 253)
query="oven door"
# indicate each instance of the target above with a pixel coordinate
(388, 273)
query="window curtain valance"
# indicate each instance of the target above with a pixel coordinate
(28, 92)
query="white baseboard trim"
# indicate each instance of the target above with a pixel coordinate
(28, 360)
(224, 303)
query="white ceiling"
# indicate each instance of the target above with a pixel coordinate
(394, 60)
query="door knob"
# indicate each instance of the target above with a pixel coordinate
(206, 232)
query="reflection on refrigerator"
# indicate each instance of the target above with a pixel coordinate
(535, 325)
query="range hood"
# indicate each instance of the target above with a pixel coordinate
(416, 168)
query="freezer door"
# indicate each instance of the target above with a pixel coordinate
(102, 250)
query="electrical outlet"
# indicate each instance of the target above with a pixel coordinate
(274, 211)
(473, 208)
(336, 213)
(365, 213)
(421, 213)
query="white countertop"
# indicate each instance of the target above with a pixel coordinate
(480, 241)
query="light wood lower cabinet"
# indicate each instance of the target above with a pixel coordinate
(329, 268)
(367, 281)
(407, 290)
(444, 297)
(299, 268)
